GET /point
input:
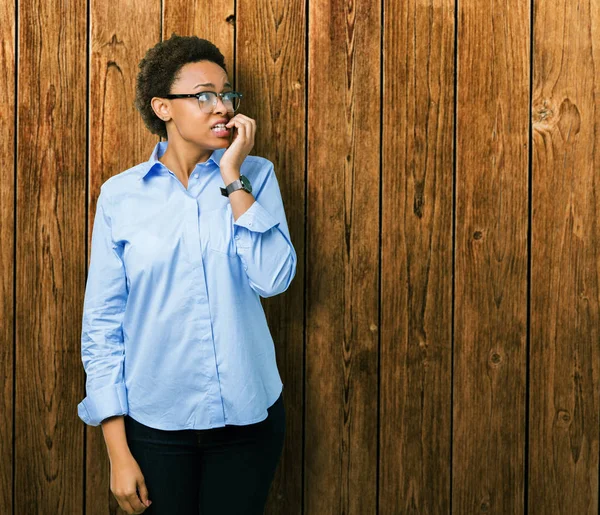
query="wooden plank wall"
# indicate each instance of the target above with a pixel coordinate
(7, 248)
(565, 259)
(439, 166)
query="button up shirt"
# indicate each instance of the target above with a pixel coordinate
(173, 331)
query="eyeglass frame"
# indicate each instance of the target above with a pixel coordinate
(197, 95)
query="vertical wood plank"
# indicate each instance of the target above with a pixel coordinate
(342, 284)
(416, 250)
(213, 20)
(118, 140)
(7, 264)
(50, 264)
(565, 350)
(491, 258)
(269, 70)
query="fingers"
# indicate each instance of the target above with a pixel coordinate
(245, 125)
(143, 490)
(125, 506)
(130, 503)
(135, 503)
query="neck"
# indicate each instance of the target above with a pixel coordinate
(182, 158)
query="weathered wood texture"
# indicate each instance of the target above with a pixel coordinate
(117, 140)
(7, 250)
(439, 166)
(490, 302)
(49, 229)
(565, 259)
(416, 258)
(342, 246)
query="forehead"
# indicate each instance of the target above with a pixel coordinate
(202, 72)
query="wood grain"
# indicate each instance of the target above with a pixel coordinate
(342, 327)
(439, 166)
(490, 303)
(7, 259)
(272, 81)
(213, 20)
(416, 258)
(118, 140)
(50, 256)
(270, 70)
(565, 260)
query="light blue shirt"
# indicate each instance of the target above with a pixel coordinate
(173, 331)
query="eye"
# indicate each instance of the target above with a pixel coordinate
(203, 97)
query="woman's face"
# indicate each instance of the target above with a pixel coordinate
(185, 118)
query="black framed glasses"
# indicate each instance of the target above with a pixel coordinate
(207, 100)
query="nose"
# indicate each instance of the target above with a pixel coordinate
(220, 106)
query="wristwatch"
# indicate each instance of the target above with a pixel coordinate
(239, 184)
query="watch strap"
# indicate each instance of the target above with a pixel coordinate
(234, 186)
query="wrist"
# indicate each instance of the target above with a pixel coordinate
(115, 439)
(229, 175)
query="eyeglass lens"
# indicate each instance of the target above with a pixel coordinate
(208, 101)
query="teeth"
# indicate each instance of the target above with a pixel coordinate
(219, 126)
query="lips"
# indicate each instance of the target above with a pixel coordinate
(222, 120)
(221, 132)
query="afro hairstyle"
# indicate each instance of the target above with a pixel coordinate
(159, 69)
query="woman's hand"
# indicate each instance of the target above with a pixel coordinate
(244, 129)
(125, 479)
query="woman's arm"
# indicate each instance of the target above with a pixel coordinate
(102, 344)
(262, 240)
(126, 477)
(113, 429)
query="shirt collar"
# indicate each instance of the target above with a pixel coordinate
(161, 147)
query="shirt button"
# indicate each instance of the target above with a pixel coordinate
(237, 237)
(249, 223)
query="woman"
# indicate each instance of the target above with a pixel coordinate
(180, 364)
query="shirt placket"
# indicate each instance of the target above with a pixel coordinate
(202, 319)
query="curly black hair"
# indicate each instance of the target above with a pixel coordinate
(159, 69)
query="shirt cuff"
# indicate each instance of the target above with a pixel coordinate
(256, 218)
(103, 403)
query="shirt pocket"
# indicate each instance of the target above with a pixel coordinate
(220, 231)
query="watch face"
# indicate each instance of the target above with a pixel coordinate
(246, 183)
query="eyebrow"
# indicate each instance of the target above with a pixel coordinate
(211, 84)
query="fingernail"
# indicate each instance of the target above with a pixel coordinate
(148, 502)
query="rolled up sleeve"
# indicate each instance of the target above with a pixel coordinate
(102, 345)
(263, 243)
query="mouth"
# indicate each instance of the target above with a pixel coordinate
(219, 128)
(220, 131)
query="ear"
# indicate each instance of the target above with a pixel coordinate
(161, 107)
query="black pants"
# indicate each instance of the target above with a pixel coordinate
(220, 471)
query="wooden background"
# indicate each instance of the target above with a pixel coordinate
(439, 164)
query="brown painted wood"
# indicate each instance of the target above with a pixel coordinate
(435, 423)
(270, 71)
(213, 20)
(416, 259)
(7, 261)
(50, 264)
(342, 258)
(118, 140)
(565, 260)
(271, 77)
(490, 307)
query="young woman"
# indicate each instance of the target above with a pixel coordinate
(180, 364)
